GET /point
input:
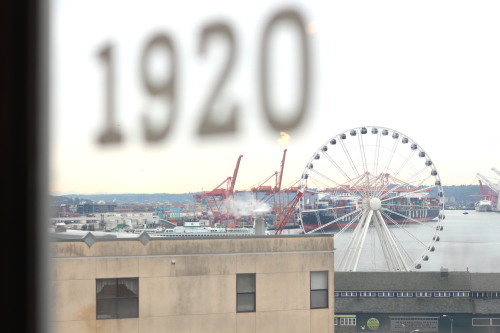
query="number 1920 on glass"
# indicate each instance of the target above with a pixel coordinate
(167, 89)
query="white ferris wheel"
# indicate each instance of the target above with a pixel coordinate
(379, 193)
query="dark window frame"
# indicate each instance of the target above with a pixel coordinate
(121, 306)
(314, 292)
(245, 294)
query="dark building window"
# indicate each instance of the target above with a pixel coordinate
(485, 321)
(348, 321)
(349, 294)
(386, 294)
(319, 290)
(485, 294)
(424, 294)
(461, 294)
(245, 292)
(442, 294)
(367, 294)
(117, 298)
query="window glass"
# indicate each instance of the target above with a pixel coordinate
(319, 280)
(245, 292)
(117, 298)
(319, 299)
(128, 307)
(480, 321)
(245, 283)
(319, 290)
(245, 303)
(106, 288)
(106, 309)
(128, 287)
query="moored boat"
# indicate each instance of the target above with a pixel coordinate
(483, 205)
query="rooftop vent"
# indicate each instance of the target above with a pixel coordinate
(444, 272)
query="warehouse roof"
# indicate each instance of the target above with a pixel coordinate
(402, 281)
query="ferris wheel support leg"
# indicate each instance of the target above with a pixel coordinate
(390, 247)
(386, 244)
(365, 231)
(354, 246)
(383, 242)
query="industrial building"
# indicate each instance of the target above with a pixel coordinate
(95, 208)
(104, 283)
(205, 284)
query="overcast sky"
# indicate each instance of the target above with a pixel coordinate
(427, 69)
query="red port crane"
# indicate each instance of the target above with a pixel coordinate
(487, 193)
(220, 199)
(271, 196)
(289, 211)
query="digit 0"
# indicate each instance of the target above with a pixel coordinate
(293, 18)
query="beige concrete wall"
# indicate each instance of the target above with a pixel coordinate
(190, 285)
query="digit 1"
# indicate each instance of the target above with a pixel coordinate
(280, 124)
(110, 134)
(165, 89)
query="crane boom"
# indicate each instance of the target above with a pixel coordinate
(235, 174)
(488, 182)
(280, 176)
(286, 217)
(495, 171)
(483, 192)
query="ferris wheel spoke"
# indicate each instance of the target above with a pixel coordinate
(336, 220)
(407, 183)
(340, 169)
(415, 181)
(318, 182)
(378, 185)
(408, 158)
(353, 249)
(401, 227)
(425, 247)
(394, 252)
(406, 218)
(383, 185)
(363, 154)
(349, 158)
(377, 152)
(355, 219)
(400, 194)
(391, 156)
(330, 180)
(418, 182)
(324, 225)
(363, 185)
(401, 256)
(334, 209)
(413, 208)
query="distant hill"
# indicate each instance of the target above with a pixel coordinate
(125, 198)
(462, 193)
(467, 194)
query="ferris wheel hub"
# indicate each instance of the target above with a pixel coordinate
(375, 203)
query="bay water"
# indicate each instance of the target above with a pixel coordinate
(468, 241)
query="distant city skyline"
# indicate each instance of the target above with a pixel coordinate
(427, 70)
